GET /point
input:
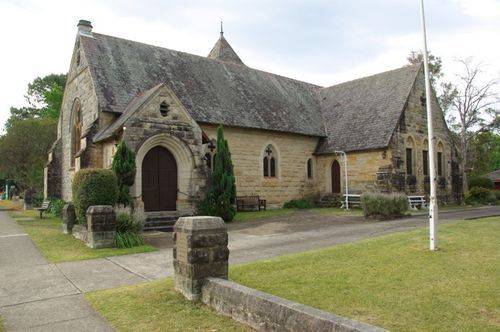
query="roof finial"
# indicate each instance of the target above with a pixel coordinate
(221, 29)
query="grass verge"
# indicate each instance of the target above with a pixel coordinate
(338, 212)
(155, 306)
(395, 281)
(56, 247)
(263, 214)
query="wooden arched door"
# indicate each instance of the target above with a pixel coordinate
(335, 175)
(159, 180)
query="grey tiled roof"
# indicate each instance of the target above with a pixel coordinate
(356, 115)
(222, 51)
(212, 91)
(362, 114)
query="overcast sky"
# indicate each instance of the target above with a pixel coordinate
(323, 42)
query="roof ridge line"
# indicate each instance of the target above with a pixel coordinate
(373, 75)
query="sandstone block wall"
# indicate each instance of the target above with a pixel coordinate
(78, 86)
(362, 168)
(412, 133)
(247, 150)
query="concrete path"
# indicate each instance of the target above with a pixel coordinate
(35, 295)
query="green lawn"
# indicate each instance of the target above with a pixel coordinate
(391, 281)
(263, 214)
(58, 247)
(272, 213)
(395, 281)
(338, 212)
(155, 306)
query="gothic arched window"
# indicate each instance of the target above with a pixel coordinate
(309, 168)
(76, 130)
(210, 155)
(269, 162)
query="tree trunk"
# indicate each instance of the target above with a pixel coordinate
(463, 147)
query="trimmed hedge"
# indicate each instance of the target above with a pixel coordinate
(93, 186)
(384, 206)
(478, 195)
(481, 182)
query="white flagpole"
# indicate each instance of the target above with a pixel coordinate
(433, 207)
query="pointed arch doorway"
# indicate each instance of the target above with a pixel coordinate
(335, 176)
(159, 180)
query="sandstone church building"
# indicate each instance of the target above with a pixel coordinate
(286, 136)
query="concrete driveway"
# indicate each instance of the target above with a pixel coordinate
(302, 231)
(37, 295)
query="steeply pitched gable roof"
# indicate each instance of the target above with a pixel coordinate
(222, 51)
(356, 115)
(212, 91)
(131, 109)
(362, 114)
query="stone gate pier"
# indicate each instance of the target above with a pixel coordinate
(200, 251)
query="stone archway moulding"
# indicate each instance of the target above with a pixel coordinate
(183, 157)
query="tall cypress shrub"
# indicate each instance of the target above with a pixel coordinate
(124, 168)
(221, 194)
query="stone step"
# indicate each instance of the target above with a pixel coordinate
(159, 228)
(159, 223)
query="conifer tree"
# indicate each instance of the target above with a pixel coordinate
(221, 194)
(124, 168)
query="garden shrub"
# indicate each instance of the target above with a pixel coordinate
(497, 194)
(125, 169)
(93, 186)
(297, 204)
(478, 195)
(129, 226)
(384, 206)
(220, 197)
(56, 207)
(481, 182)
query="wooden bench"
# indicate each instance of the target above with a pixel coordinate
(43, 208)
(417, 202)
(354, 200)
(250, 203)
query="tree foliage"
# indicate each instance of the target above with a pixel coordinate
(24, 149)
(435, 65)
(125, 169)
(221, 194)
(484, 152)
(44, 98)
(30, 132)
(471, 104)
